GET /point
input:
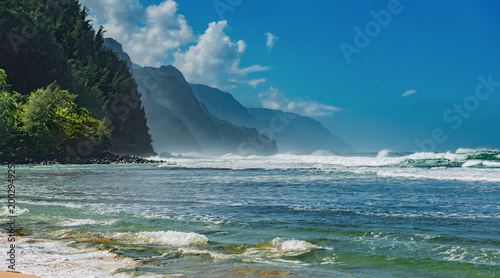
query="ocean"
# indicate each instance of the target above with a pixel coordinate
(320, 215)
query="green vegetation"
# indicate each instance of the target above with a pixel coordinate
(46, 42)
(47, 122)
(11, 136)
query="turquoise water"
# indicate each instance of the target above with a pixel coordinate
(418, 215)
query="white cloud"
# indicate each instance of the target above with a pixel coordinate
(154, 35)
(409, 93)
(215, 59)
(149, 35)
(94, 21)
(254, 68)
(271, 39)
(274, 99)
(255, 82)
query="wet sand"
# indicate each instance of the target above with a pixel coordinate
(11, 274)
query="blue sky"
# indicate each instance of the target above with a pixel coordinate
(403, 80)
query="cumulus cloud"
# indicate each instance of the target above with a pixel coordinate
(271, 39)
(215, 59)
(409, 93)
(154, 35)
(274, 99)
(148, 34)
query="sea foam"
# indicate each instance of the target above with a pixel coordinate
(168, 238)
(279, 247)
(434, 165)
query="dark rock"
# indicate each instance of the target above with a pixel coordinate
(102, 158)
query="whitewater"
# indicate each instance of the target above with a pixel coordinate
(462, 164)
(385, 214)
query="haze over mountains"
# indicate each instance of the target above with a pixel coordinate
(185, 117)
(292, 132)
(179, 123)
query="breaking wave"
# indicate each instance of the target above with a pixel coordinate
(279, 247)
(469, 163)
(167, 238)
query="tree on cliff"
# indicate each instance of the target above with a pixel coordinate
(47, 41)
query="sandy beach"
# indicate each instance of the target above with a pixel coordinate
(11, 274)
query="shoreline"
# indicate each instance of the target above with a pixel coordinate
(15, 274)
(103, 158)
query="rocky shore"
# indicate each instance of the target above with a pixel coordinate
(103, 158)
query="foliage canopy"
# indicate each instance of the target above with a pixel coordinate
(47, 122)
(47, 41)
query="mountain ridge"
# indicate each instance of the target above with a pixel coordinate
(217, 121)
(293, 132)
(171, 105)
